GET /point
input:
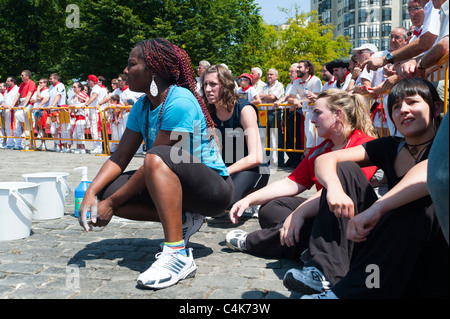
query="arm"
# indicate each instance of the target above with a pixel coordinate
(418, 46)
(290, 232)
(325, 167)
(412, 187)
(254, 157)
(281, 188)
(257, 99)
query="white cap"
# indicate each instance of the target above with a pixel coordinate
(366, 46)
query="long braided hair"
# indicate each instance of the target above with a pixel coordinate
(174, 65)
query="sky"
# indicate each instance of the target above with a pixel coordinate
(271, 14)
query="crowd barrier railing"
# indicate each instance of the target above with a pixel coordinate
(61, 127)
(109, 132)
(11, 129)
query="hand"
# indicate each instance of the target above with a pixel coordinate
(290, 232)
(340, 204)
(89, 204)
(360, 226)
(237, 210)
(276, 104)
(373, 63)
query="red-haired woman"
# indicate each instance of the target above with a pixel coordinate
(183, 177)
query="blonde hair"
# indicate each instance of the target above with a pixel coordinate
(354, 108)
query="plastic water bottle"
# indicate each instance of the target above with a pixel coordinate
(81, 188)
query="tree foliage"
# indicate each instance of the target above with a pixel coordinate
(34, 35)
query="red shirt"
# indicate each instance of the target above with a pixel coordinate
(25, 88)
(305, 174)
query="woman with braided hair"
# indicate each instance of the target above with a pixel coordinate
(183, 177)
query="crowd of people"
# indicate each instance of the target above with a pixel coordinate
(64, 116)
(204, 156)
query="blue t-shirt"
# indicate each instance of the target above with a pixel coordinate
(182, 113)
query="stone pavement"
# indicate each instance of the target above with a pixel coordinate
(61, 261)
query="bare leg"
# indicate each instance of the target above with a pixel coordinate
(165, 189)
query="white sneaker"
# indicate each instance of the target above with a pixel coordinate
(236, 240)
(42, 147)
(55, 148)
(169, 268)
(79, 151)
(97, 151)
(324, 295)
(309, 280)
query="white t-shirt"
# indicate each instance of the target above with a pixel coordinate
(44, 93)
(313, 84)
(96, 89)
(374, 77)
(8, 98)
(54, 91)
(249, 94)
(127, 94)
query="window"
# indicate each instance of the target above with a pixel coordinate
(362, 15)
(386, 29)
(362, 31)
(374, 30)
(375, 42)
(363, 3)
(386, 14)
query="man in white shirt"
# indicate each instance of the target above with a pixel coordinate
(430, 32)
(2, 116)
(11, 91)
(307, 81)
(417, 67)
(202, 66)
(92, 121)
(257, 74)
(270, 93)
(57, 97)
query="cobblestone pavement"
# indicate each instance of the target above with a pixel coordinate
(61, 261)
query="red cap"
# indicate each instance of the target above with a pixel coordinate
(93, 78)
(248, 76)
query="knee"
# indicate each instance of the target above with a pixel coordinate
(153, 162)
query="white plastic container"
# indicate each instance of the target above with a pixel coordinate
(16, 209)
(51, 198)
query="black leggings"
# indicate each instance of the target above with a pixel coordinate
(266, 242)
(246, 182)
(204, 191)
(406, 246)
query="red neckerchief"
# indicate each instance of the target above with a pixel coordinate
(340, 83)
(8, 90)
(331, 82)
(307, 80)
(417, 33)
(102, 86)
(124, 88)
(292, 82)
(245, 90)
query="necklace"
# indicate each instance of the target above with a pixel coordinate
(412, 148)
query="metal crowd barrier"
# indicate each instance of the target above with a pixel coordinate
(110, 133)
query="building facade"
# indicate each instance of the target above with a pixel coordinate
(363, 21)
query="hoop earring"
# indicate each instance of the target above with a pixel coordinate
(153, 88)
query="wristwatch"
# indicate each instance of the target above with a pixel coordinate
(390, 58)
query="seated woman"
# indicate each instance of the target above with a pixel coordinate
(182, 170)
(392, 247)
(343, 121)
(237, 121)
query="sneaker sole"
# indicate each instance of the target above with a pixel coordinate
(294, 285)
(168, 283)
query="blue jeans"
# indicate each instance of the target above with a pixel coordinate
(438, 172)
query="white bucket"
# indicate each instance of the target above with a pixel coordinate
(51, 197)
(16, 209)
